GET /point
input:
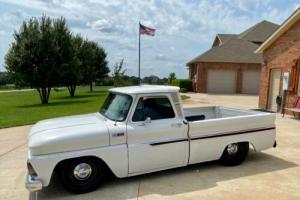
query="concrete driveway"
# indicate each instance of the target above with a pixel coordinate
(272, 174)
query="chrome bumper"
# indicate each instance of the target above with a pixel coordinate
(32, 183)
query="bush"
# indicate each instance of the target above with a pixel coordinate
(184, 84)
(5, 78)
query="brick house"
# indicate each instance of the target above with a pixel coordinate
(281, 53)
(231, 66)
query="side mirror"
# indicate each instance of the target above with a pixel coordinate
(148, 120)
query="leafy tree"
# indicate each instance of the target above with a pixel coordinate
(118, 75)
(93, 63)
(32, 57)
(172, 76)
(5, 78)
(70, 70)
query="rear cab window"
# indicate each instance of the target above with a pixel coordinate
(156, 108)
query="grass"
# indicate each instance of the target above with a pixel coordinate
(184, 97)
(21, 108)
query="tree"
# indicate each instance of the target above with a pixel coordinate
(5, 78)
(70, 71)
(32, 57)
(93, 63)
(118, 75)
(172, 76)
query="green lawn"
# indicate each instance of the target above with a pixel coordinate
(184, 97)
(20, 108)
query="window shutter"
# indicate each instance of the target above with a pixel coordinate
(295, 77)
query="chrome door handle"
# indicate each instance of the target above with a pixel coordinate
(142, 124)
(176, 124)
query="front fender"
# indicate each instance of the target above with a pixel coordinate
(115, 157)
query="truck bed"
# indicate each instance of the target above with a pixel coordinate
(214, 112)
(211, 127)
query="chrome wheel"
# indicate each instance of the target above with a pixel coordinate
(232, 149)
(82, 171)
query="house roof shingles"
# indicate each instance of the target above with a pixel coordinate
(235, 50)
(238, 48)
(226, 37)
(259, 32)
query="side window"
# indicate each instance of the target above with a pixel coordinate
(153, 107)
(139, 112)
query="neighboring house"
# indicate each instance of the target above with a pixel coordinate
(281, 53)
(231, 66)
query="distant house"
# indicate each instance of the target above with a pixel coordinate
(281, 53)
(231, 66)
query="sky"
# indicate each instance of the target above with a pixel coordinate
(184, 28)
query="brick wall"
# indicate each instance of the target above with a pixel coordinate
(201, 81)
(280, 54)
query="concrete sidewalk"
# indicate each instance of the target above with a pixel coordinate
(272, 174)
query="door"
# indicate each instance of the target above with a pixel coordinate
(221, 81)
(251, 81)
(157, 138)
(274, 89)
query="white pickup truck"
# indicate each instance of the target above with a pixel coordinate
(141, 129)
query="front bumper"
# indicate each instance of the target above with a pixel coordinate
(33, 184)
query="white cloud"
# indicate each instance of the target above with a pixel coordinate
(184, 28)
(101, 24)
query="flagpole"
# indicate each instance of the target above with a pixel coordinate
(139, 54)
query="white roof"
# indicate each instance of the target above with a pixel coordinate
(145, 89)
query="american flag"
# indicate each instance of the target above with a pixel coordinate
(146, 30)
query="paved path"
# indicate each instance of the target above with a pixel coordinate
(22, 90)
(272, 174)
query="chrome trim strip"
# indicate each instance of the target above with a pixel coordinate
(169, 141)
(212, 136)
(232, 133)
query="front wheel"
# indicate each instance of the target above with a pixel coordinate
(235, 153)
(81, 175)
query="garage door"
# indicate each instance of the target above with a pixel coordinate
(251, 81)
(221, 81)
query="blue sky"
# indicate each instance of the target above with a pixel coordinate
(185, 28)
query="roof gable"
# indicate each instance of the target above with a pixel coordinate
(234, 51)
(259, 32)
(286, 25)
(222, 38)
(238, 48)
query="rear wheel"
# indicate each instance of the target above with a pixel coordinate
(235, 153)
(81, 175)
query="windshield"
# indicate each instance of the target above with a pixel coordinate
(116, 106)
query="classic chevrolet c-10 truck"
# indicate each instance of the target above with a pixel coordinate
(141, 129)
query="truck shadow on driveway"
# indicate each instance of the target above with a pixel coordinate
(175, 181)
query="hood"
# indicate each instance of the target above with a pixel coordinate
(68, 134)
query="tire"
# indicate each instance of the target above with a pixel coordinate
(232, 156)
(81, 175)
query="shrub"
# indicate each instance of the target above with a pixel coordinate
(184, 84)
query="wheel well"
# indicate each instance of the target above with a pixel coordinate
(249, 143)
(95, 158)
(252, 145)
